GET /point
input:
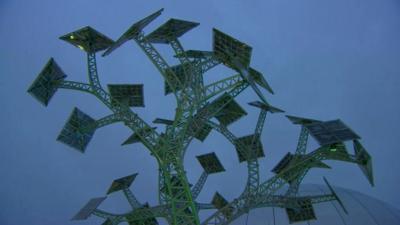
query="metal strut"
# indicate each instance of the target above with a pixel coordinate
(199, 185)
(302, 143)
(131, 198)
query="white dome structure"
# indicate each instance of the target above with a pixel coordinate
(362, 210)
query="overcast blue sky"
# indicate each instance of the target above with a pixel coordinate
(324, 59)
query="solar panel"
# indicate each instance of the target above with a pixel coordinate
(260, 80)
(247, 141)
(127, 94)
(304, 213)
(163, 121)
(227, 49)
(364, 161)
(231, 112)
(203, 132)
(133, 31)
(88, 209)
(78, 130)
(47, 82)
(283, 163)
(134, 138)
(266, 107)
(196, 54)
(108, 222)
(88, 39)
(220, 202)
(210, 163)
(179, 71)
(330, 132)
(172, 29)
(198, 128)
(121, 183)
(301, 121)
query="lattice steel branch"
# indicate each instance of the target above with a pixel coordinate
(199, 185)
(193, 119)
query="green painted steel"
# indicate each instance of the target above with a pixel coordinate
(199, 106)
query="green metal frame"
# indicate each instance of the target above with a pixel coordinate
(198, 105)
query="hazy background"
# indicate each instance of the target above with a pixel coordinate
(324, 60)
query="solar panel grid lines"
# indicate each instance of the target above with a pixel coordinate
(47, 82)
(210, 163)
(121, 183)
(364, 161)
(227, 48)
(330, 132)
(134, 138)
(196, 54)
(170, 30)
(304, 213)
(163, 121)
(230, 112)
(246, 141)
(283, 163)
(78, 130)
(133, 31)
(266, 107)
(88, 39)
(127, 94)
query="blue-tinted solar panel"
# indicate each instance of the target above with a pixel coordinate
(179, 71)
(330, 132)
(210, 163)
(88, 39)
(170, 30)
(227, 50)
(121, 183)
(78, 130)
(47, 82)
(127, 94)
(88, 209)
(304, 213)
(246, 142)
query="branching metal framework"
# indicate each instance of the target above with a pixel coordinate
(199, 106)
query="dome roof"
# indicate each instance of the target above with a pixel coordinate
(362, 210)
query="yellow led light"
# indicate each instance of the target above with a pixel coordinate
(333, 149)
(72, 37)
(81, 47)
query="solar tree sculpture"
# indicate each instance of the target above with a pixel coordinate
(201, 108)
